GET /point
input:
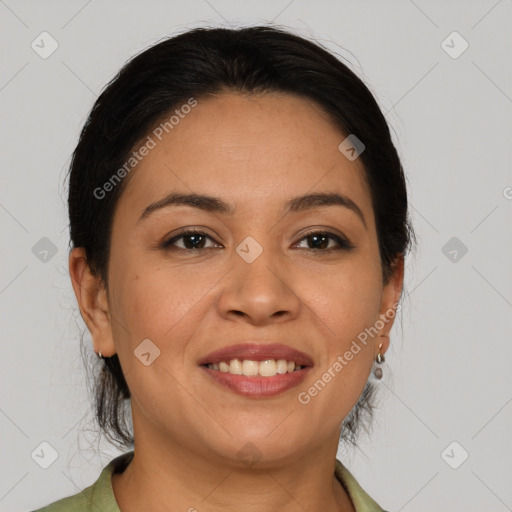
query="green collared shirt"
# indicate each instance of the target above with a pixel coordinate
(99, 497)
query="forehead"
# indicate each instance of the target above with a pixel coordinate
(253, 151)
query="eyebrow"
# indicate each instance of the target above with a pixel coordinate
(217, 205)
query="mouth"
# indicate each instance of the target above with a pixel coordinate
(257, 370)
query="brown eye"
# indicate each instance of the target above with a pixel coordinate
(319, 240)
(192, 240)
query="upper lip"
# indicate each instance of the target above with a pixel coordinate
(257, 352)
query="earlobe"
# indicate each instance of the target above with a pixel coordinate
(92, 299)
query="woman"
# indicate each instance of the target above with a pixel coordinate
(238, 218)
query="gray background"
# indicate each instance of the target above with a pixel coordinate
(447, 373)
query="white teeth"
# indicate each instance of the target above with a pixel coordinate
(235, 367)
(268, 368)
(249, 368)
(282, 366)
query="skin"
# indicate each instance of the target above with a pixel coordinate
(254, 152)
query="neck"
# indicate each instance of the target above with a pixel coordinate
(167, 476)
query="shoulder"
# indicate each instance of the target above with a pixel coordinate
(361, 500)
(81, 502)
(98, 496)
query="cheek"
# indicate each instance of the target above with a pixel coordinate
(158, 303)
(347, 300)
(346, 310)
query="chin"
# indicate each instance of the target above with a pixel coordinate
(259, 447)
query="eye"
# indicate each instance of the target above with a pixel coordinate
(320, 241)
(193, 240)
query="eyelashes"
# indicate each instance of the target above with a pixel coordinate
(191, 233)
(322, 236)
(321, 241)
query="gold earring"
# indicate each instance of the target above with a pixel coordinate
(380, 357)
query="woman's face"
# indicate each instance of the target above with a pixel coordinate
(253, 275)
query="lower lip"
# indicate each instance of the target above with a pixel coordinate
(258, 386)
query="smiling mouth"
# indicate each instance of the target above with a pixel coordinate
(250, 368)
(257, 370)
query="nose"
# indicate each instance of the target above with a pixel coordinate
(261, 292)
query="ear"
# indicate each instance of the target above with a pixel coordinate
(91, 295)
(389, 303)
